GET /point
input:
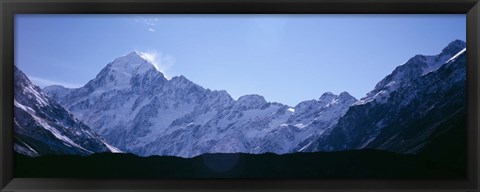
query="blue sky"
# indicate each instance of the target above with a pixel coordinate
(285, 58)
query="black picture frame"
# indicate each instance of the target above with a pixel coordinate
(8, 8)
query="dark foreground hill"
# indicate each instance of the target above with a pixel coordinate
(358, 164)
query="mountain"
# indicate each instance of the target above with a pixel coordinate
(320, 116)
(420, 102)
(414, 68)
(250, 125)
(44, 127)
(131, 104)
(134, 107)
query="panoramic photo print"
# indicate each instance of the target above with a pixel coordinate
(240, 96)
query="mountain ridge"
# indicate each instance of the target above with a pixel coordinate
(188, 105)
(393, 123)
(150, 115)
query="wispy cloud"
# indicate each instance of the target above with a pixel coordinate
(150, 22)
(42, 82)
(161, 61)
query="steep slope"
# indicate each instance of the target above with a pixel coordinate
(408, 109)
(44, 127)
(414, 68)
(130, 103)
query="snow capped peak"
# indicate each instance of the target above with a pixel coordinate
(134, 62)
(134, 54)
(140, 54)
(145, 56)
(119, 73)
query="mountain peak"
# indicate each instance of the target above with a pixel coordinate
(345, 96)
(20, 77)
(134, 53)
(142, 55)
(457, 43)
(119, 73)
(327, 94)
(454, 47)
(414, 68)
(251, 101)
(134, 61)
(327, 97)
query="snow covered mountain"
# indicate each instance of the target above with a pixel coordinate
(44, 127)
(251, 125)
(419, 101)
(134, 107)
